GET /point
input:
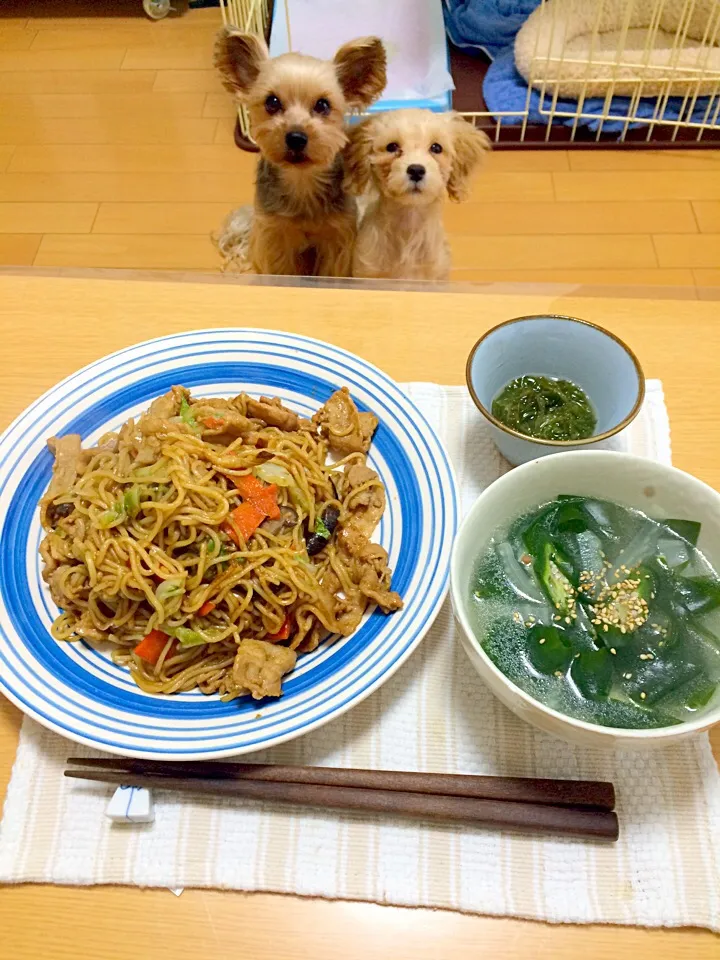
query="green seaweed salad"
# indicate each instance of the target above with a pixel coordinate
(602, 613)
(545, 408)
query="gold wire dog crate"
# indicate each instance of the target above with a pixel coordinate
(590, 72)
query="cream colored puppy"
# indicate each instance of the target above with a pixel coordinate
(412, 160)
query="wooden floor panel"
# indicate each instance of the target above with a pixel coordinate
(647, 160)
(187, 252)
(6, 153)
(47, 217)
(707, 213)
(102, 105)
(551, 252)
(15, 37)
(186, 81)
(231, 188)
(18, 249)
(636, 185)
(707, 278)
(173, 33)
(702, 250)
(88, 58)
(107, 129)
(581, 217)
(130, 158)
(116, 149)
(168, 58)
(174, 218)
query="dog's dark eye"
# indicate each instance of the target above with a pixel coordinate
(436, 148)
(322, 106)
(392, 147)
(272, 104)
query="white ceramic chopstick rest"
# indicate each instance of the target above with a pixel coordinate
(131, 805)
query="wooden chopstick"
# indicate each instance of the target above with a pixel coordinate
(533, 818)
(589, 794)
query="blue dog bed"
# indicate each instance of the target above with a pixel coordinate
(505, 89)
(490, 26)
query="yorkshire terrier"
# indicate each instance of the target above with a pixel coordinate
(303, 222)
(412, 159)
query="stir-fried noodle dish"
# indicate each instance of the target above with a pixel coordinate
(210, 541)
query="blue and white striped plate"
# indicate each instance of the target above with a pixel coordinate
(79, 692)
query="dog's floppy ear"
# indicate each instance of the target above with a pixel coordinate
(361, 67)
(470, 144)
(238, 57)
(356, 156)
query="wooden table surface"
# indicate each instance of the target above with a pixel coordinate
(50, 326)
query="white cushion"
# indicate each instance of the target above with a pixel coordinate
(578, 47)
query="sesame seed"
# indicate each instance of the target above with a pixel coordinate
(558, 673)
(613, 650)
(541, 640)
(643, 695)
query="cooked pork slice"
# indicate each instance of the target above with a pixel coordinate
(371, 586)
(70, 462)
(273, 413)
(349, 610)
(370, 571)
(367, 506)
(357, 475)
(151, 426)
(367, 566)
(109, 443)
(346, 430)
(50, 564)
(259, 667)
(167, 405)
(215, 420)
(313, 639)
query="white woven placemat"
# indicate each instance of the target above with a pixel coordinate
(434, 714)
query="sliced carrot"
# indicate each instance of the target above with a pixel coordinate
(151, 646)
(283, 633)
(246, 518)
(264, 497)
(213, 423)
(268, 502)
(206, 608)
(249, 486)
(230, 530)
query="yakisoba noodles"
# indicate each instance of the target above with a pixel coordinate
(212, 540)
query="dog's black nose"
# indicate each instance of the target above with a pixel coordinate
(416, 171)
(296, 140)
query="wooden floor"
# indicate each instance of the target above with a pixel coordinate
(116, 151)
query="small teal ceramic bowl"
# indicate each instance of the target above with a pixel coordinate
(565, 348)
